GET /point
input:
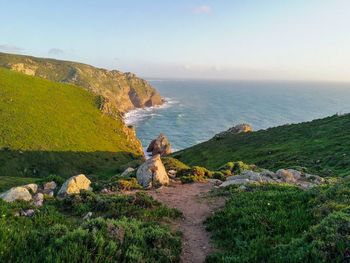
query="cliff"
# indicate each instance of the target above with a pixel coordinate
(124, 91)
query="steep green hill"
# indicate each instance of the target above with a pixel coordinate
(49, 127)
(122, 90)
(322, 146)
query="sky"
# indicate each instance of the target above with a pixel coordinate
(212, 39)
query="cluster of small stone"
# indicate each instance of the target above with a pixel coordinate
(300, 179)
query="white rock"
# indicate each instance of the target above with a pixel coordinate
(152, 172)
(16, 193)
(74, 184)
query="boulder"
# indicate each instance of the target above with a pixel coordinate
(127, 171)
(50, 186)
(160, 146)
(152, 172)
(38, 199)
(237, 181)
(74, 184)
(16, 193)
(285, 176)
(31, 187)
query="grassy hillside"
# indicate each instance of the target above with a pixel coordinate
(49, 127)
(123, 90)
(322, 146)
(282, 223)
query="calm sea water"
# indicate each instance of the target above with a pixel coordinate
(197, 110)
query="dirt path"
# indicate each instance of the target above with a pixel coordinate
(191, 200)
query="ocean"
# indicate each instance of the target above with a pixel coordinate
(197, 110)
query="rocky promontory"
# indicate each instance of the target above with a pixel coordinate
(124, 91)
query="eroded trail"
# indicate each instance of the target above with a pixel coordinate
(193, 202)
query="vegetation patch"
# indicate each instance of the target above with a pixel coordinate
(123, 228)
(282, 223)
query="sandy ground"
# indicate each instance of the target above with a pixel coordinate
(192, 201)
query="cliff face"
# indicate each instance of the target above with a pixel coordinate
(124, 91)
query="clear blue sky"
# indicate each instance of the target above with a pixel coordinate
(234, 39)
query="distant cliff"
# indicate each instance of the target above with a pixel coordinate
(125, 91)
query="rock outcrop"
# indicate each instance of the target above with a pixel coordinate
(235, 130)
(16, 193)
(300, 179)
(160, 145)
(74, 184)
(152, 173)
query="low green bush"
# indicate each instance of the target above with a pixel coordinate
(123, 228)
(282, 223)
(173, 164)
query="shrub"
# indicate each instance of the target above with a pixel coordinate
(173, 164)
(128, 184)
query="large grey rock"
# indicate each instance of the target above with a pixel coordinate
(152, 172)
(237, 181)
(160, 146)
(127, 171)
(74, 184)
(16, 193)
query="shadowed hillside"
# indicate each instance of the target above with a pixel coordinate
(49, 127)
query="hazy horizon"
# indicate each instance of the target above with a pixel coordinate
(239, 40)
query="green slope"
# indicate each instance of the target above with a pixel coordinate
(124, 91)
(49, 127)
(322, 146)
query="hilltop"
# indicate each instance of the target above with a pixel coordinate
(320, 146)
(124, 91)
(57, 128)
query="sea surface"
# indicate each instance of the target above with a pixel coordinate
(197, 110)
